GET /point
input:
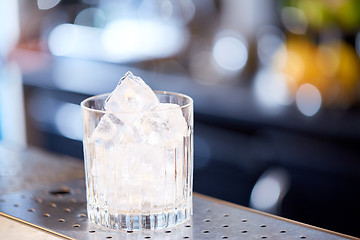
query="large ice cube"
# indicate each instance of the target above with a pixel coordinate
(127, 102)
(131, 95)
(109, 129)
(164, 125)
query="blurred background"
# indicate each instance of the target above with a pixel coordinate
(275, 85)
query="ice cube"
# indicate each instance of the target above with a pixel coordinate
(164, 125)
(176, 123)
(131, 95)
(109, 129)
(127, 102)
(139, 149)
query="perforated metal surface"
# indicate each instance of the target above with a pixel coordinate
(62, 209)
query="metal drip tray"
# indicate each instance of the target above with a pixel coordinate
(61, 210)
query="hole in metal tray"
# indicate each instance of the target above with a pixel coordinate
(71, 206)
(61, 191)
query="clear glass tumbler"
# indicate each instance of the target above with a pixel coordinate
(139, 166)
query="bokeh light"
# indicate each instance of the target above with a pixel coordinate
(119, 41)
(269, 39)
(271, 89)
(142, 39)
(68, 121)
(270, 189)
(47, 4)
(327, 60)
(294, 20)
(186, 9)
(308, 99)
(357, 43)
(332, 67)
(265, 193)
(62, 40)
(230, 53)
(92, 17)
(166, 9)
(202, 70)
(9, 27)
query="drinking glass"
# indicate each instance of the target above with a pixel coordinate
(139, 165)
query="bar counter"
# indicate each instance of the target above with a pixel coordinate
(42, 196)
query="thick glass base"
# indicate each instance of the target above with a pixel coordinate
(139, 221)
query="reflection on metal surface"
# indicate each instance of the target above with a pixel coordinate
(28, 168)
(213, 219)
(10, 222)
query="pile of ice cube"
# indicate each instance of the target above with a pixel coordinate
(138, 162)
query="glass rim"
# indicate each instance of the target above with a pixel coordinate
(190, 103)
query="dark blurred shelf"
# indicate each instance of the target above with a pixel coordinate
(224, 105)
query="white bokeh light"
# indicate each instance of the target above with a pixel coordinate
(68, 121)
(230, 53)
(166, 9)
(62, 39)
(47, 4)
(119, 41)
(271, 89)
(270, 39)
(142, 39)
(93, 17)
(294, 20)
(270, 189)
(308, 99)
(265, 193)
